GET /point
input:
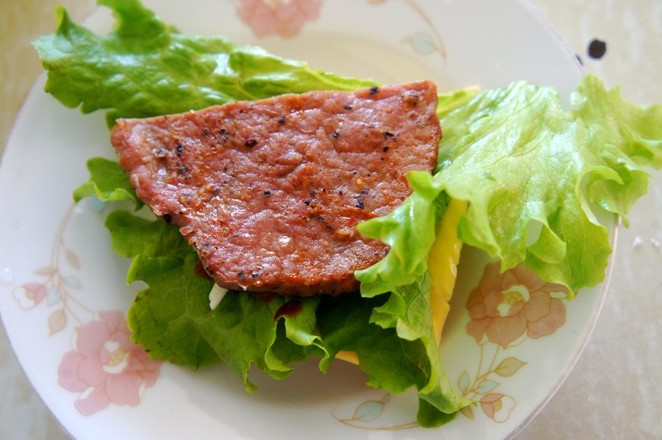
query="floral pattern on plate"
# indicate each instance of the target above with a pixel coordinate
(285, 18)
(105, 366)
(56, 289)
(505, 310)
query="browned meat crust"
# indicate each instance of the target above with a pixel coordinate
(269, 192)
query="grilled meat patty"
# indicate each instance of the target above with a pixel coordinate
(269, 192)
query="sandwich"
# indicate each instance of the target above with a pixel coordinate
(239, 214)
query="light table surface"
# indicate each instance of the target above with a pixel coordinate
(614, 390)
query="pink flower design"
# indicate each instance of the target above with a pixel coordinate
(506, 306)
(278, 17)
(497, 406)
(106, 366)
(29, 295)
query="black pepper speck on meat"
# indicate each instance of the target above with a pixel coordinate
(269, 192)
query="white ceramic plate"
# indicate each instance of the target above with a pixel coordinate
(62, 289)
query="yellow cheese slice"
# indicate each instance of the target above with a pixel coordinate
(442, 262)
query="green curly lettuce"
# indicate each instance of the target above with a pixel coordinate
(146, 68)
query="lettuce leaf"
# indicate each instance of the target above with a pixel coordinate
(172, 320)
(518, 157)
(108, 183)
(521, 159)
(146, 68)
